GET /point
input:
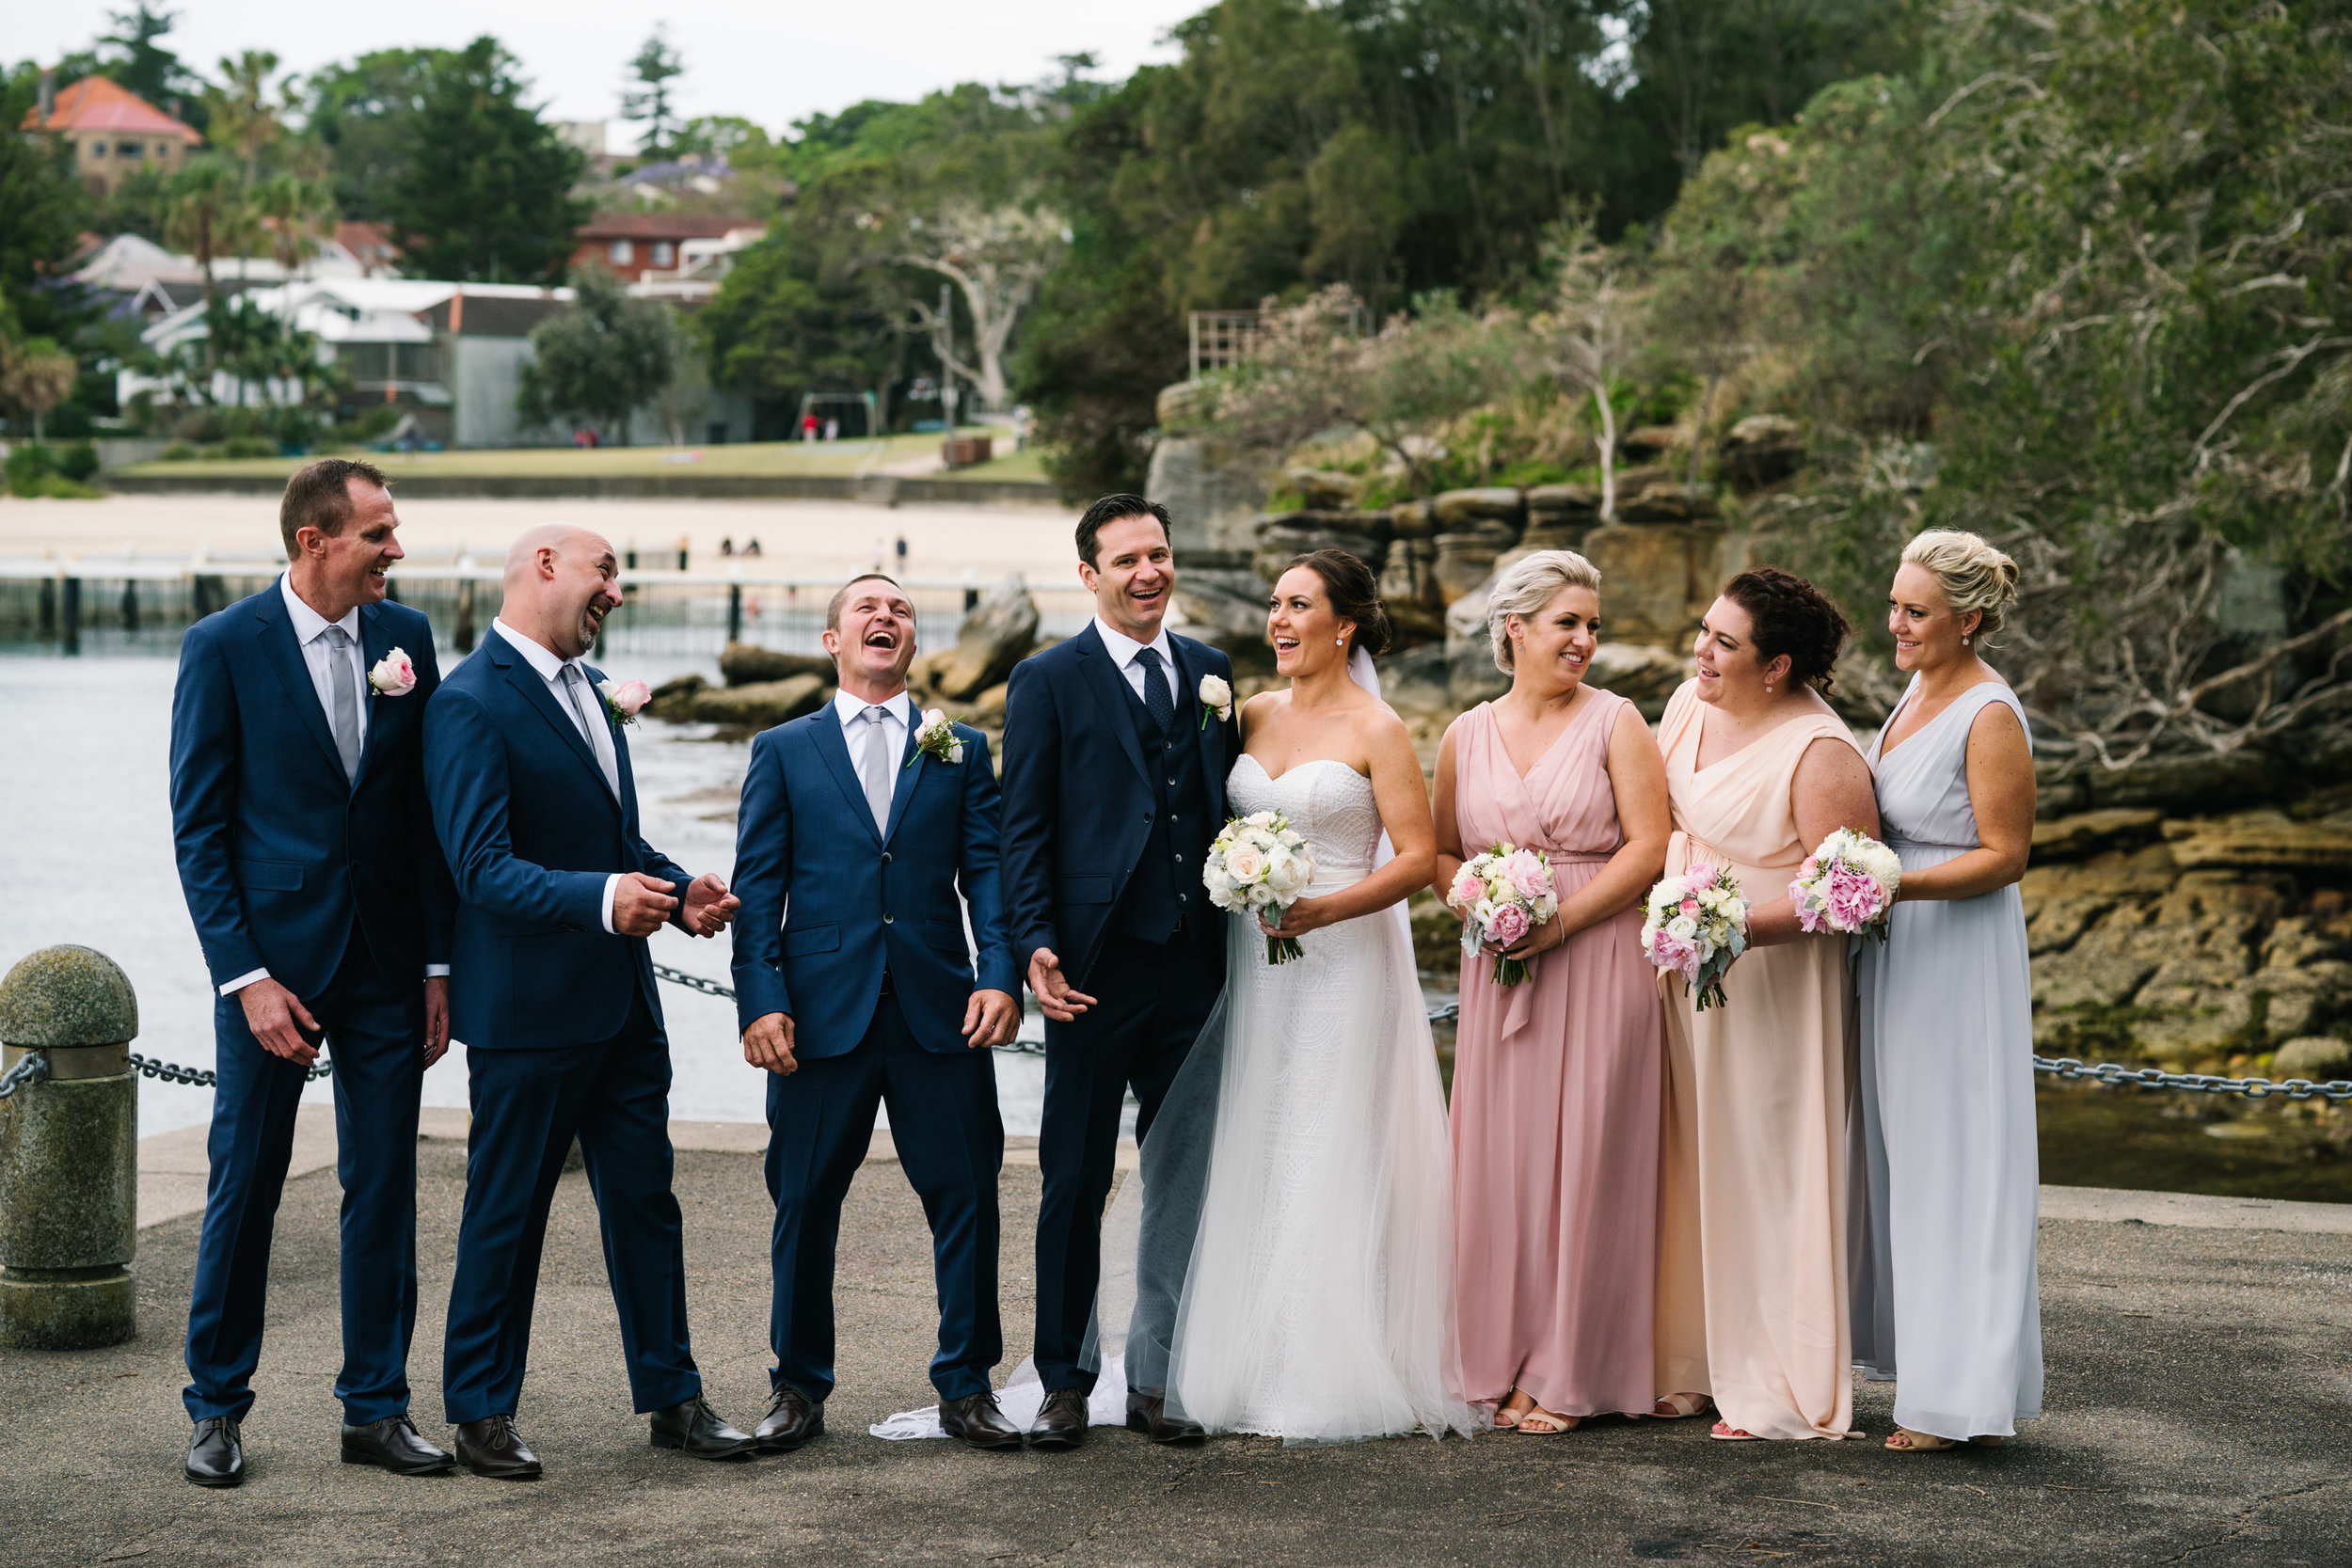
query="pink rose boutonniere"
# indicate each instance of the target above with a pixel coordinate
(394, 674)
(622, 699)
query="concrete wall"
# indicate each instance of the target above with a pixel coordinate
(484, 374)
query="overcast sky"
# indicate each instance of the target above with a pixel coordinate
(772, 61)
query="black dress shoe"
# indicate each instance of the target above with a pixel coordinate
(695, 1429)
(1063, 1422)
(1147, 1414)
(491, 1446)
(791, 1420)
(217, 1452)
(975, 1419)
(393, 1443)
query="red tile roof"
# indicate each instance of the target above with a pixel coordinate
(659, 226)
(96, 103)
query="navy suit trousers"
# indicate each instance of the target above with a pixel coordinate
(951, 1145)
(375, 1039)
(528, 1107)
(1149, 1004)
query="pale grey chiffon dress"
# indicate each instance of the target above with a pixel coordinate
(1945, 1174)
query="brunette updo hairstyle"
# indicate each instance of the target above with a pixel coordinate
(1355, 595)
(1791, 616)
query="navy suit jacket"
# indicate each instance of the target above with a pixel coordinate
(1078, 800)
(827, 899)
(280, 855)
(532, 834)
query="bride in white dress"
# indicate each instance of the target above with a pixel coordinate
(1316, 1233)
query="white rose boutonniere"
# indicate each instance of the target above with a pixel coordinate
(394, 676)
(936, 739)
(622, 699)
(1216, 698)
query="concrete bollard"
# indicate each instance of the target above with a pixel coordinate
(68, 1154)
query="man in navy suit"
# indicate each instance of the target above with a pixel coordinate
(1115, 759)
(855, 987)
(307, 856)
(553, 994)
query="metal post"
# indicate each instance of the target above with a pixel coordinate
(735, 612)
(629, 557)
(683, 542)
(130, 604)
(69, 1154)
(463, 634)
(70, 614)
(48, 607)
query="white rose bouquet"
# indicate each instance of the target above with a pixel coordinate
(1260, 865)
(1695, 925)
(1847, 884)
(1502, 896)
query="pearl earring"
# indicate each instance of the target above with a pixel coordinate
(1338, 642)
(1964, 639)
(1768, 688)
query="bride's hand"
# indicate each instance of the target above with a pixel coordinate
(1543, 938)
(1308, 915)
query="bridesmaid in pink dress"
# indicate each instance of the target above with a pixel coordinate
(1557, 1090)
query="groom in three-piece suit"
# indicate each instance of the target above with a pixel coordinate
(855, 987)
(553, 994)
(1114, 788)
(307, 857)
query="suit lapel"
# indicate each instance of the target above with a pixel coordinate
(1209, 737)
(285, 657)
(619, 735)
(373, 645)
(526, 680)
(911, 767)
(834, 749)
(1112, 696)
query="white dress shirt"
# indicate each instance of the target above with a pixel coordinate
(318, 656)
(1123, 650)
(897, 715)
(551, 669)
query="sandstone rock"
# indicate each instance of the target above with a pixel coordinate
(1555, 504)
(748, 664)
(2266, 841)
(1324, 489)
(1213, 488)
(1656, 581)
(1549, 536)
(1288, 535)
(673, 700)
(1763, 449)
(1413, 520)
(1415, 681)
(1224, 605)
(1643, 676)
(988, 708)
(1471, 677)
(1185, 404)
(1465, 560)
(1665, 502)
(2176, 785)
(2299, 1000)
(1650, 440)
(996, 635)
(2088, 833)
(1462, 511)
(2318, 1057)
(760, 706)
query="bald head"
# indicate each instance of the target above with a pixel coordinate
(560, 583)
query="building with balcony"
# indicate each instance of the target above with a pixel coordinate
(630, 246)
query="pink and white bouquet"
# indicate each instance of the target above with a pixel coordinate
(1848, 885)
(1695, 925)
(1502, 896)
(1260, 865)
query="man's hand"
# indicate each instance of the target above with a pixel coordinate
(768, 1044)
(708, 905)
(436, 1017)
(992, 1018)
(640, 904)
(280, 1022)
(1054, 995)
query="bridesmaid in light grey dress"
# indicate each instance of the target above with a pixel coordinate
(1943, 1132)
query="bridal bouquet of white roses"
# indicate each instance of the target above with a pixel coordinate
(1260, 865)
(1502, 896)
(1695, 925)
(1847, 885)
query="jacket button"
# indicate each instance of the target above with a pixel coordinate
(1147, 817)
(887, 920)
(886, 857)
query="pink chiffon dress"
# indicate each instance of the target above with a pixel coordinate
(1556, 1102)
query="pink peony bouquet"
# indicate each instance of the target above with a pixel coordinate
(1695, 925)
(1502, 896)
(1848, 885)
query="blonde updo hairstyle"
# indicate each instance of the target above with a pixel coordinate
(1526, 586)
(1973, 575)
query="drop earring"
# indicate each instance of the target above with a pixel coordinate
(1964, 639)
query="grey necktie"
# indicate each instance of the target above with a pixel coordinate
(874, 767)
(342, 704)
(592, 727)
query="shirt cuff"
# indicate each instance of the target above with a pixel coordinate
(437, 971)
(612, 885)
(244, 980)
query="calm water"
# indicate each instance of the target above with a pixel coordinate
(83, 796)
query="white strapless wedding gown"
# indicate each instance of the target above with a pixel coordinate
(1317, 1305)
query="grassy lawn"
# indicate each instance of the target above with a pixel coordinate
(763, 457)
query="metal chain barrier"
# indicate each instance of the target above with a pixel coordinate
(2336, 1091)
(204, 1077)
(31, 1069)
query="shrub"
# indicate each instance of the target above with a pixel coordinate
(27, 466)
(248, 445)
(179, 451)
(79, 462)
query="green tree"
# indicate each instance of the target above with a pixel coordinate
(364, 113)
(242, 116)
(603, 359)
(210, 215)
(486, 189)
(144, 66)
(35, 375)
(647, 103)
(46, 208)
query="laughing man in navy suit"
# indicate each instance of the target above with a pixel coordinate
(307, 856)
(855, 989)
(553, 994)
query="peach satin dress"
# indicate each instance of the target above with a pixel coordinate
(1752, 1304)
(1556, 1100)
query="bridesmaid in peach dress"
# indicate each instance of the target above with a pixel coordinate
(1556, 1080)
(1752, 1304)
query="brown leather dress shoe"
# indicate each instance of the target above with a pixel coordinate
(1063, 1422)
(395, 1443)
(694, 1429)
(791, 1420)
(493, 1448)
(1147, 1414)
(976, 1421)
(217, 1452)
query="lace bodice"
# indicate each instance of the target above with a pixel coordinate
(1326, 801)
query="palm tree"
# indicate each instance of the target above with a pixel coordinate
(242, 114)
(35, 375)
(297, 213)
(207, 213)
